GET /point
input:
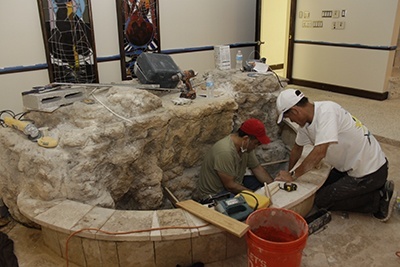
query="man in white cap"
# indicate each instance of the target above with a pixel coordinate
(224, 166)
(358, 180)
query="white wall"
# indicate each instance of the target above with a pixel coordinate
(183, 24)
(21, 44)
(348, 67)
(193, 23)
(106, 39)
(372, 23)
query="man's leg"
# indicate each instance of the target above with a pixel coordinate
(352, 194)
(334, 176)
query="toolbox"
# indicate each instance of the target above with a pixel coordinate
(155, 68)
(318, 220)
(235, 207)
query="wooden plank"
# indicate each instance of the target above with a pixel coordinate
(268, 193)
(218, 219)
(274, 162)
(171, 197)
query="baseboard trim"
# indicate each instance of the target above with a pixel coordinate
(276, 66)
(387, 140)
(341, 89)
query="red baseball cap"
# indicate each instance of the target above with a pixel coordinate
(255, 128)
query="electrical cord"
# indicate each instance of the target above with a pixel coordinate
(9, 112)
(125, 233)
(249, 194)
(109, 109)
(269, 68)
(18, 116)
(253, 52)
(276, 75)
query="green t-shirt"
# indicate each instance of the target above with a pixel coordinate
(223, 157)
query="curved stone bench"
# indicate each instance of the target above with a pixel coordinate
(169, 247)
(106, 237)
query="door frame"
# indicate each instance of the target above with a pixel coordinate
(290, 35)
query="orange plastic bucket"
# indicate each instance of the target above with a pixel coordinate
(276, 238)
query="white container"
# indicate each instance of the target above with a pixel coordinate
(222, 57)
(210, 86)
(239, 60)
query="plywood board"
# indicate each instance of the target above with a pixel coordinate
(220, 220)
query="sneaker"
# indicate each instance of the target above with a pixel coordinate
(386, 202)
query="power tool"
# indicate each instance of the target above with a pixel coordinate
(235, 207)
(185, 77)
(26, 127)
(33, 133)
(254, 200)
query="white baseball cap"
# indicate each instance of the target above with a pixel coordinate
(286, 100)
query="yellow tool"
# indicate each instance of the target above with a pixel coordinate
(255, 201)
(33, 133)
(26, 127)
(47, 141)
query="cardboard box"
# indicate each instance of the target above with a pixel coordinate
(222, 57)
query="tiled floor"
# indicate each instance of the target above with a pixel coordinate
(356, 240)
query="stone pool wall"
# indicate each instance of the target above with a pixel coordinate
(119, 147)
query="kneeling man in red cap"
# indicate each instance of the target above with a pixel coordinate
(224, 166)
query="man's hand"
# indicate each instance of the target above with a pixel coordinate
(284, 176)
(312, 160)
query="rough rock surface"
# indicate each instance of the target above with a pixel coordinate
(119, 150)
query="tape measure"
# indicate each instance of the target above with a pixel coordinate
(289, 187)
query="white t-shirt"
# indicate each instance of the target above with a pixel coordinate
(353, 148)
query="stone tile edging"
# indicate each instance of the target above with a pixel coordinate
(66, 230)
(67, 216)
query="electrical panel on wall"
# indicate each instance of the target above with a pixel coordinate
(343, 21)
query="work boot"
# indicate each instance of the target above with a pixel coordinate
(386, 202)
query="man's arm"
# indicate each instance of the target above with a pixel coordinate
(295, 155)
(312, 160)
(230, 184)
(262, 175)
